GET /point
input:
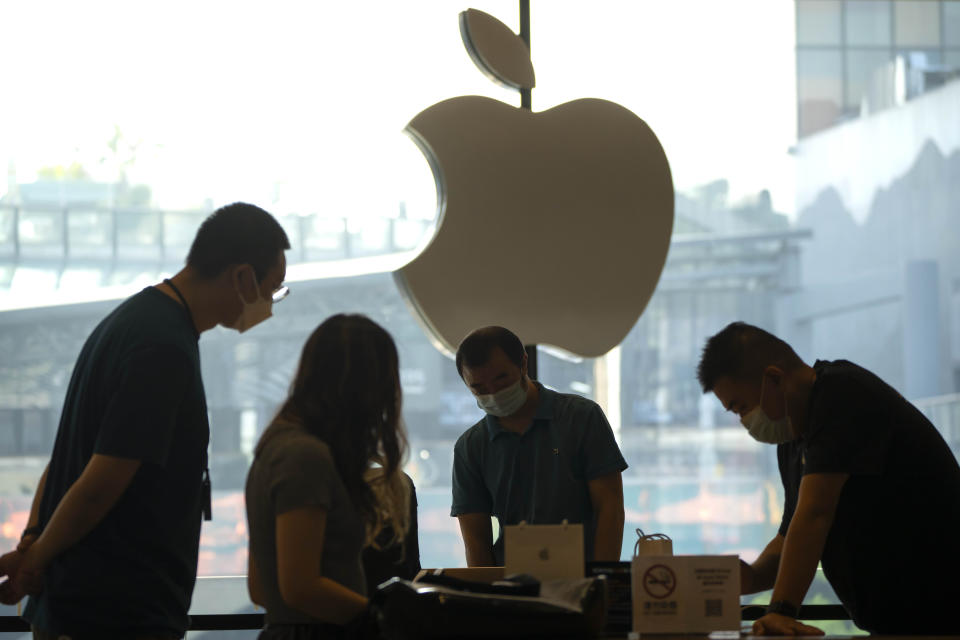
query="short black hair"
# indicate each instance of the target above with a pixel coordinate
(476, 348)
(237, 233)
(741, 351)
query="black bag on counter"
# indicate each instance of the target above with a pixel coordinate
(459, 609)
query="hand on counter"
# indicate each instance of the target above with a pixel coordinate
(9, 565)
(774, 624)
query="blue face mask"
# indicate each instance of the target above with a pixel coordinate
(505, 402)
(765, 429)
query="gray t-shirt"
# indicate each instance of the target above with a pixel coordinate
(294, 469)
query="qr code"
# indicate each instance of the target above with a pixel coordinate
(714, 608)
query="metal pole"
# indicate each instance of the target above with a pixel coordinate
(525, 94)
(525, 103)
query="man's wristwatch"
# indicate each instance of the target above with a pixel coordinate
(784, 608)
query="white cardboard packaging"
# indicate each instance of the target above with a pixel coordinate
(545, 551)
(685, 594)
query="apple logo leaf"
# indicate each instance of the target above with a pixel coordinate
(555, 224)
(500, 53)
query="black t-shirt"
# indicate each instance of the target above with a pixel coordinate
(893, 552)
(135, 392)
(402, 561)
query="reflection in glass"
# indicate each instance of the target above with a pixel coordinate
(951, 59)
(33, 282)
(819, 89)
(916, 23)
(869, 78)
(323, 236)
(81, 279)
(89, 232)
(818, 22)
(179, 228)
(369, 236)
(41, 233)
(924, 71)
(135, 279)
(36, 431)
(7, 217)
(407, 234)
(867, 22)
(137, 229)
(951, 24)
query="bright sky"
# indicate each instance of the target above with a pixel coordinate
(300, 105)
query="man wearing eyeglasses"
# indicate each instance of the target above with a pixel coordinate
(111, 546)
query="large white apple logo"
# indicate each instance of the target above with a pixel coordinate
(554, 224)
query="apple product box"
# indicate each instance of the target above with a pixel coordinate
(686, 594)
(544, 551)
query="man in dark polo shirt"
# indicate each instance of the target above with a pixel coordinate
(110, 550)
(872, 491)
(537, 456)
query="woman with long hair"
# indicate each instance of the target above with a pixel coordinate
(312, 503)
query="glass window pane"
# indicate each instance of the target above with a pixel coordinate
(179, 227)
(819, 89)
(33, 283)
(90, 233)
(917, 23)
(81, 279)
(867, 22)
(922, 58)
(138, 235)
(291, 225)
(951, 58)
(951, 24)
(869, 74)
(6, 225)
(818, 22)
(369, 237)
(924, 70)
(41, 233)
(407, 234)
(324, 237)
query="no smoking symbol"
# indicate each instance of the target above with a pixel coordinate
(659, 581)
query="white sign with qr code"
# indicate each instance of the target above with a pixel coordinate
(685, 594)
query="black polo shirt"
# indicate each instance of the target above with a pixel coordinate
(892, 554)
(540, 476)
(135, 392)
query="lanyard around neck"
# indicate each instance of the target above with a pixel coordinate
(169, 283)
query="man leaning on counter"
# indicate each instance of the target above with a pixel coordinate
(872, 491)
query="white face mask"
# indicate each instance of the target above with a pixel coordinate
(253, 312)
(505, 402)
(765, 429)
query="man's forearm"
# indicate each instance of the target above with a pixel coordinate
(84, 505)
(477, 532)
(801, 554)
(479, 554)
(762, 573)
(75, 517)
(608, 539)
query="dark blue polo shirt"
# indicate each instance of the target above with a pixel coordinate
(539, 476)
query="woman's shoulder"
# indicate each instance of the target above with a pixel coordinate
(286, 439)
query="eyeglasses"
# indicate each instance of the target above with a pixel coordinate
(280, 293)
